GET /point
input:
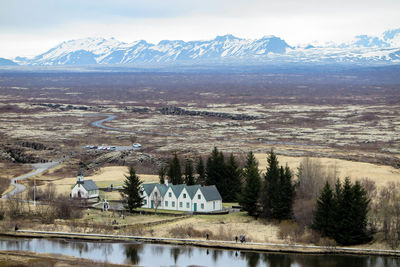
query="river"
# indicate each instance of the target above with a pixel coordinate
(99, 124)
(148, 254)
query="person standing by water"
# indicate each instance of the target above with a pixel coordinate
(207, 236)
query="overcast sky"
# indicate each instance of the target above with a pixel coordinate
(30, 27)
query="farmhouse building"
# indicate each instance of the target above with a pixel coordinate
(193, 198)
(84, 189)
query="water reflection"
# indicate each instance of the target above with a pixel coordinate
(278, 260)
(175, 252)
(171, 255)
(132, 253)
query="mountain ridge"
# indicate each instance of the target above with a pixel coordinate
(225, 48)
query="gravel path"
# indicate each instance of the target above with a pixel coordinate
(37, 169)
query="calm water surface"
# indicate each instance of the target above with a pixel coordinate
(146, 254)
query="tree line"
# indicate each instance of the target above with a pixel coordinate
(339, 213)
(224, 173)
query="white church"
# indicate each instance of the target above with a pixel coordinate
(194, 198)
(84, 188)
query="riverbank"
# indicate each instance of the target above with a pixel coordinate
(24, 258)
(248, 246)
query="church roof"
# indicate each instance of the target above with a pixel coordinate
(89, 185)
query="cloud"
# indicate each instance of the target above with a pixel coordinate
(37, 25)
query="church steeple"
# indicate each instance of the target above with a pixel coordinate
(79, 177)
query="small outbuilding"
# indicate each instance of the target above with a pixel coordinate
(84, 189)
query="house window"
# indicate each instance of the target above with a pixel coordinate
(145, 202)
(170, 194)
(214, 205)
(166, 203)
(199, 196)
(180, 204)
(184, 195)
(173, 204)
(155, 193)
(202, 206)
(187, 205)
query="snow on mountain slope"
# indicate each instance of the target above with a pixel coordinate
(226, 48)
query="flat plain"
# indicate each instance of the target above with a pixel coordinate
(353, 116)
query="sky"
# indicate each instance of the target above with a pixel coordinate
(31, 27)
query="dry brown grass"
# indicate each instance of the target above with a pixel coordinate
(381, 174)
(103, 178)
(223, 227)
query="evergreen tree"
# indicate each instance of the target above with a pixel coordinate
(345, 217)
(161, 174)
(201, 171)
(215, 168)
(248, 198)
(174, 171)
(131, 191)
(189, 178)
(352, 215)
(233, 176)
(270, 193)
(343, 213)
(360, 210)
(215, 172)
(324, 220)
(284, 207)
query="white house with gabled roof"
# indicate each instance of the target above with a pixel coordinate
(194, 198)
(84, 188)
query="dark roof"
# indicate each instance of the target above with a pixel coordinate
(89, 185)
(177, 189)
(210, 193)
(148, 188)
(162, 188)
(192, 189)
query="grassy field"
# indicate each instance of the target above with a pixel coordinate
(30, 259)
(106, 176)
(115, 175)
(381, 174)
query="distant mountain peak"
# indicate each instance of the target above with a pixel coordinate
(224, 48)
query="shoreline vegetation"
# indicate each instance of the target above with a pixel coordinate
(217, 244)
(25, 258)
(288, 231)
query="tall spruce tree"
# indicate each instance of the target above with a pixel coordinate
(215, 172)
(215, 168)
(270, 193)
(162, 172)
(201, 171)
(249, 196)
(189, 176)
(233, 176)
(324, 220)
(345, 219)
(174, 170)
(360, 208)
(131, 191)
(352, 215)
(284, 208)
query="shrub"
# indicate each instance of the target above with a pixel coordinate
(290, 231)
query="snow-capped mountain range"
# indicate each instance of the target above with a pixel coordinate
(222, 49)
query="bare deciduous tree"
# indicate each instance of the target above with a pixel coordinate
(157, 200)
(312, 176)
